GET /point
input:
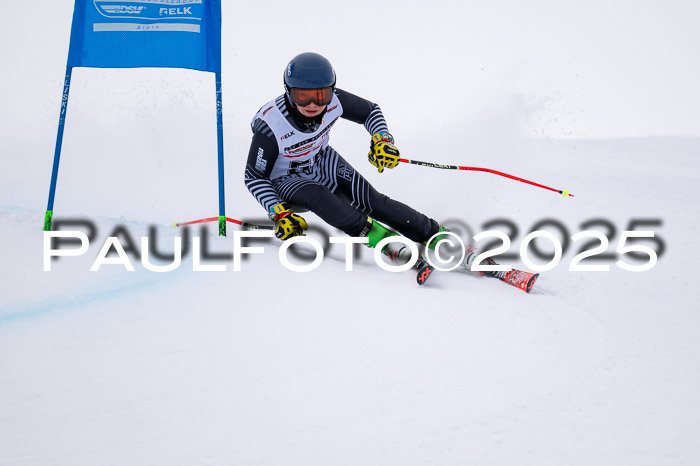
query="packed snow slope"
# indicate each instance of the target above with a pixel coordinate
(270, 366)
(266, 366)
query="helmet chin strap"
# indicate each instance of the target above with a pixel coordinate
(314, 119)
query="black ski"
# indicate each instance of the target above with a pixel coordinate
(424, 272)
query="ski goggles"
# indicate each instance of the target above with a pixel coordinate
(303, 97)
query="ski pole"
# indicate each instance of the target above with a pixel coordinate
(564, 193)
(228, 219)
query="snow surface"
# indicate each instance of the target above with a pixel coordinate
(267, 366)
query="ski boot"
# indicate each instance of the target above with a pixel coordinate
(398, 252)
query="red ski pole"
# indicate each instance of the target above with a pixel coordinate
(228, 219)
(564, 193)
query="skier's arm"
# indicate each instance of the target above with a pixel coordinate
(261, 158)
(362, 111)
(383, 153)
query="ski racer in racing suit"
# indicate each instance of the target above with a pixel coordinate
(291, 167)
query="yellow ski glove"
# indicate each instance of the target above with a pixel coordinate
(383, 153)
(287, 223)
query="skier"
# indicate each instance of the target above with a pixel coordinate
(291, 167)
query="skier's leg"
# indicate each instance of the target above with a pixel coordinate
(355, 189)
(344, 199)
(305, 194)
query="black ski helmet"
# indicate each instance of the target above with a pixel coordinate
(308, 71)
